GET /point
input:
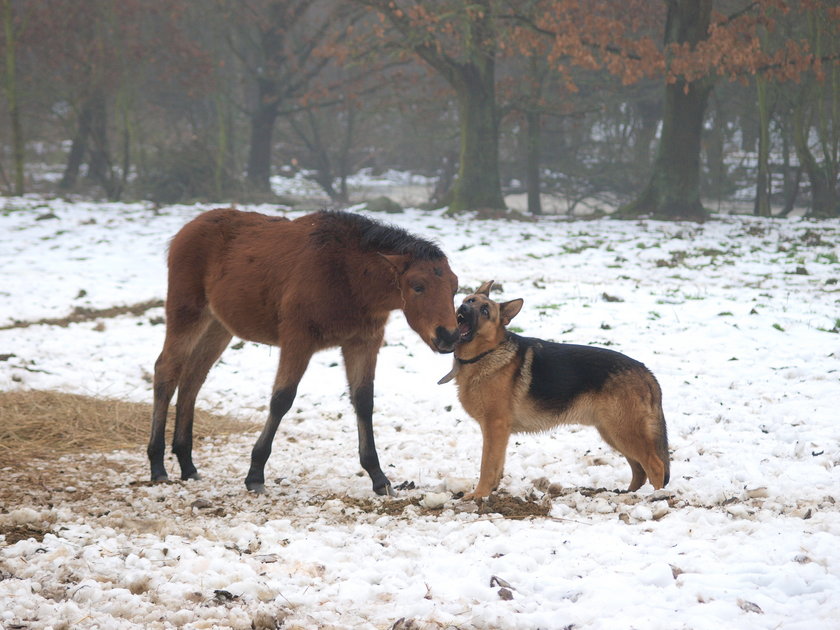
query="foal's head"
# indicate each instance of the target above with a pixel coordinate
(428, 288)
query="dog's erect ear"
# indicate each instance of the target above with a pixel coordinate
(484, 289)
(509, 310)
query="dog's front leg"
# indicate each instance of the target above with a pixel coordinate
(495, 432)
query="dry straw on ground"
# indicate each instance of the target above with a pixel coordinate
(49, 424)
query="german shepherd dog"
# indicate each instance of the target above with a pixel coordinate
(512, 384)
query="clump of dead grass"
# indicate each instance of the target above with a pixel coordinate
(40, 424)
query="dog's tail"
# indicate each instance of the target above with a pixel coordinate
(662, 447)
(661, 434)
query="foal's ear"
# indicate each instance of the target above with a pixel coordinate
(509, 310)
(399, 262)
(484, 289)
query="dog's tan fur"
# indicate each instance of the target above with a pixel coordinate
(495, 389)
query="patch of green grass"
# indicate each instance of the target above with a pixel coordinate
(577, 249)
(836, 328)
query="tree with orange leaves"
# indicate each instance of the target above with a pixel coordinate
(700, 46)
(460, 41)
(464, 41)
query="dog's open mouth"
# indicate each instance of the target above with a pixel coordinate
(466, 328)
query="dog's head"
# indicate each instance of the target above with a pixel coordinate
(481, 321)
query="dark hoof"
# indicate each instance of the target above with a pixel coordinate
(386, 491)
(160, 478)
(192, 475)
(256, 488)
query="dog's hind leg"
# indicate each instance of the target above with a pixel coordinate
(640, 452)
(644, 462)
(651, 449)
(639, 475)
(655, 468)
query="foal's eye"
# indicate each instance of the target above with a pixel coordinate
(485, 311)
(418, 288)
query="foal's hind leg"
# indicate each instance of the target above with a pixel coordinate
(206, 352)
(360, 363)
(183, 329)
(293, 362)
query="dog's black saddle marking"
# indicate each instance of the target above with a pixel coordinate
(561, 372)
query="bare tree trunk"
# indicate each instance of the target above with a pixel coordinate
(344, 155)
(792, 176)
(822, 177)
(78, 150)
(532, 166)
(259, 154)
(650, 113)
(100, 163)
(442, 194)
(10, 85)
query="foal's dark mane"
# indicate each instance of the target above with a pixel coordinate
(337, 227)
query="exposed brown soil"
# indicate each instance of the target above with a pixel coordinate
(503, 504)
(83, 314)
(513, 507)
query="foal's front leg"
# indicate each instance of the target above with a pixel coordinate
(292, 366)
(360, 363)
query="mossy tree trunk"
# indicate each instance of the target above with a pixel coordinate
(673, 191)
(762, 188)
(471, 72)
(478, 186)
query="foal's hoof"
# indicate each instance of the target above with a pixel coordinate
(160, 478)
(256, 488)
(386, 491)
(193, 475)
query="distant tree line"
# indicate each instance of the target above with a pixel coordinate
(655, 105)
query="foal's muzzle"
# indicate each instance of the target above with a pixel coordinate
(444, 340)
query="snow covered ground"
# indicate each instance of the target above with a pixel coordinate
(737, 318)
